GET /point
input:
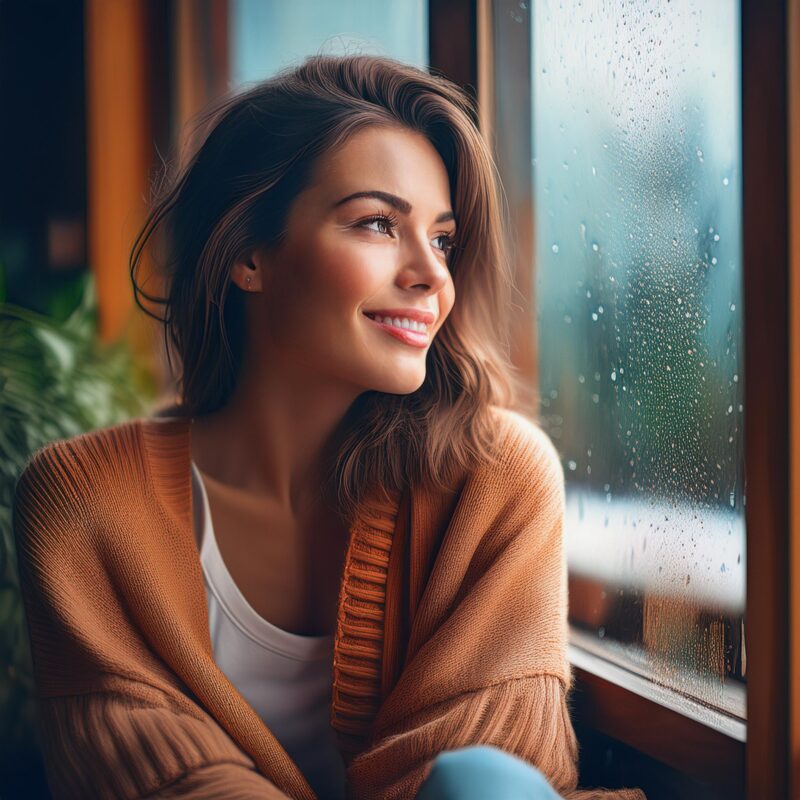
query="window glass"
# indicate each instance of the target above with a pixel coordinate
(638, 291)
(267, 35)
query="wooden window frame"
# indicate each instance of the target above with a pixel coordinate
(461, 47)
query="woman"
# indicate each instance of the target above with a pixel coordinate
(336, 564)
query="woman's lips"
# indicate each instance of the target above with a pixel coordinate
(414, 338)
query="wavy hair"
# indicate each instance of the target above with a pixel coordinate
(256, 153)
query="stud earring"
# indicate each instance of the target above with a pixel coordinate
(248, 281)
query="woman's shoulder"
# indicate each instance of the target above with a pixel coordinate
(69, 479)
(526, 452)
(97, 450)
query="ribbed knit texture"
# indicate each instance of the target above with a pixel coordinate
(451, 627)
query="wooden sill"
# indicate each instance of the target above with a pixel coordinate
(699, 742)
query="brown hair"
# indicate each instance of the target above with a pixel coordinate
(234, 193)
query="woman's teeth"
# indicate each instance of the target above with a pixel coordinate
(402, 322)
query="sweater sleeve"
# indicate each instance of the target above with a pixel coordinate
(105, 733)
(487, 658)
(126, 742)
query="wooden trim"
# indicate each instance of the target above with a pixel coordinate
(793, 94)
(452, 42)
(202, 63)
(485, 71)
(512, 143)
(119, 150)
(688, 746)
(766, 285)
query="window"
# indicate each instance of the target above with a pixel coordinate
(266, 36)
(637, 218)
(625, 135)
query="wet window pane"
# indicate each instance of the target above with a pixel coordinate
(267, 35)
(637, 219)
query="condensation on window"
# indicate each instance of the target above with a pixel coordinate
(638, 291)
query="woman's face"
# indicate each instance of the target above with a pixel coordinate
(345, 256)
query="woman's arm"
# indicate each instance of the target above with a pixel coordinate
(107, 730)
(487, 662)
(124, 743)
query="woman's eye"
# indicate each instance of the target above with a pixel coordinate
(387, 223)
(448, 242)
(390, 223)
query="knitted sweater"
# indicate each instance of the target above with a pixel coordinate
(452, 627)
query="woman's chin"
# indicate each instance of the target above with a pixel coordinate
(398, 384)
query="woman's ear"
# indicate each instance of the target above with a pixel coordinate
(249, 272)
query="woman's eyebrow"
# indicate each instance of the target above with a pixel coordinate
(393, 200)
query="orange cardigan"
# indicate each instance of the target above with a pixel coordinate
(452, 627)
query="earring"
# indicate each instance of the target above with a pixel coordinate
(248, 281)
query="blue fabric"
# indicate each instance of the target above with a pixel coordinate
(479, 772)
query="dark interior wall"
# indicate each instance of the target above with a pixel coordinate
(42, 147)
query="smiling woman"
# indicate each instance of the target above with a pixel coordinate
(336, 565)
(335, 188)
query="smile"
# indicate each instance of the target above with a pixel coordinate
(408, 335)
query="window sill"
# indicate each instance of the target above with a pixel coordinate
(699, 741)
(600, 658)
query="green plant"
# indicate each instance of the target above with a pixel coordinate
(56, 381)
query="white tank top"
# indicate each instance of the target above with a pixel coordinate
(284, 676)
